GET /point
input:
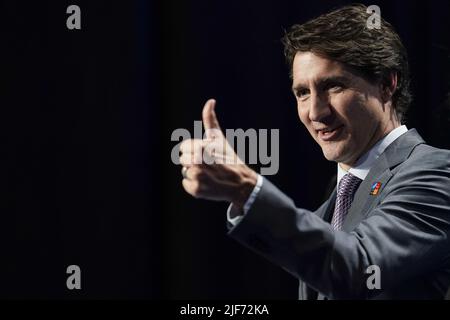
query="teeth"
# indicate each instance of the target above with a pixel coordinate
(327, 130)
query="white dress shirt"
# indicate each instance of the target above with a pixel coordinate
(361, 169)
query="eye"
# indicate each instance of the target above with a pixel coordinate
(302, 93)
(335, 87)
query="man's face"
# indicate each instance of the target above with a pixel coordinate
(342, 111)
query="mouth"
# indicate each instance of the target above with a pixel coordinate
(329, 134)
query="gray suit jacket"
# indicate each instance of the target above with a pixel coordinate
(404, 230)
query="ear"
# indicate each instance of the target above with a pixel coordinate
(388, 87)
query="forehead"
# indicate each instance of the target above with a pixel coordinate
(308, 67)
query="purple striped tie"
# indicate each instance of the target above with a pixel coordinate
(346, 190)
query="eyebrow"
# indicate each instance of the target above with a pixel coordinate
(323, 82)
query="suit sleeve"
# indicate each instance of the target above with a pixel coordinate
(405, 235)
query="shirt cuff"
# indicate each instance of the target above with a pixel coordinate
(233, 212)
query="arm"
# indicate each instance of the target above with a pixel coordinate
(405, 235)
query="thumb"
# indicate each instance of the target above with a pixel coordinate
(210, 121)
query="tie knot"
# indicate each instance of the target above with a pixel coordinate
(348, 185)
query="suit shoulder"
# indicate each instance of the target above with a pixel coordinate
(428, 156)
(424, 175)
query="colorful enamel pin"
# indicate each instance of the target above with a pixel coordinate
(375, 188)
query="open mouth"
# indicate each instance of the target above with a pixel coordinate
(329, 134)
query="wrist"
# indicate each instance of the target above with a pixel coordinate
(248, 182)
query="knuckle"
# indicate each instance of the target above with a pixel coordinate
(194, 172)
(196, 189)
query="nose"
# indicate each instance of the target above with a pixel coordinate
(319, 108)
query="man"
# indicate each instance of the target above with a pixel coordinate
(390, 211)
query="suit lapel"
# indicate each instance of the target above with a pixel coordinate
(397, 152)
(363, 198)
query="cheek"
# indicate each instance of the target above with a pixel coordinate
(361, 116)
(350, 109)
(303, 114)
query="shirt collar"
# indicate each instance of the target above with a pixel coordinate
(363, 165)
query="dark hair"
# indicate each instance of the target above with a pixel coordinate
(342, 35)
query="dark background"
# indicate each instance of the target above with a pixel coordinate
(86, 120)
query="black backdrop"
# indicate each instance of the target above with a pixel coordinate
(86, 120)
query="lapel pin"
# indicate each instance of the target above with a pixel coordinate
(375, 188)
